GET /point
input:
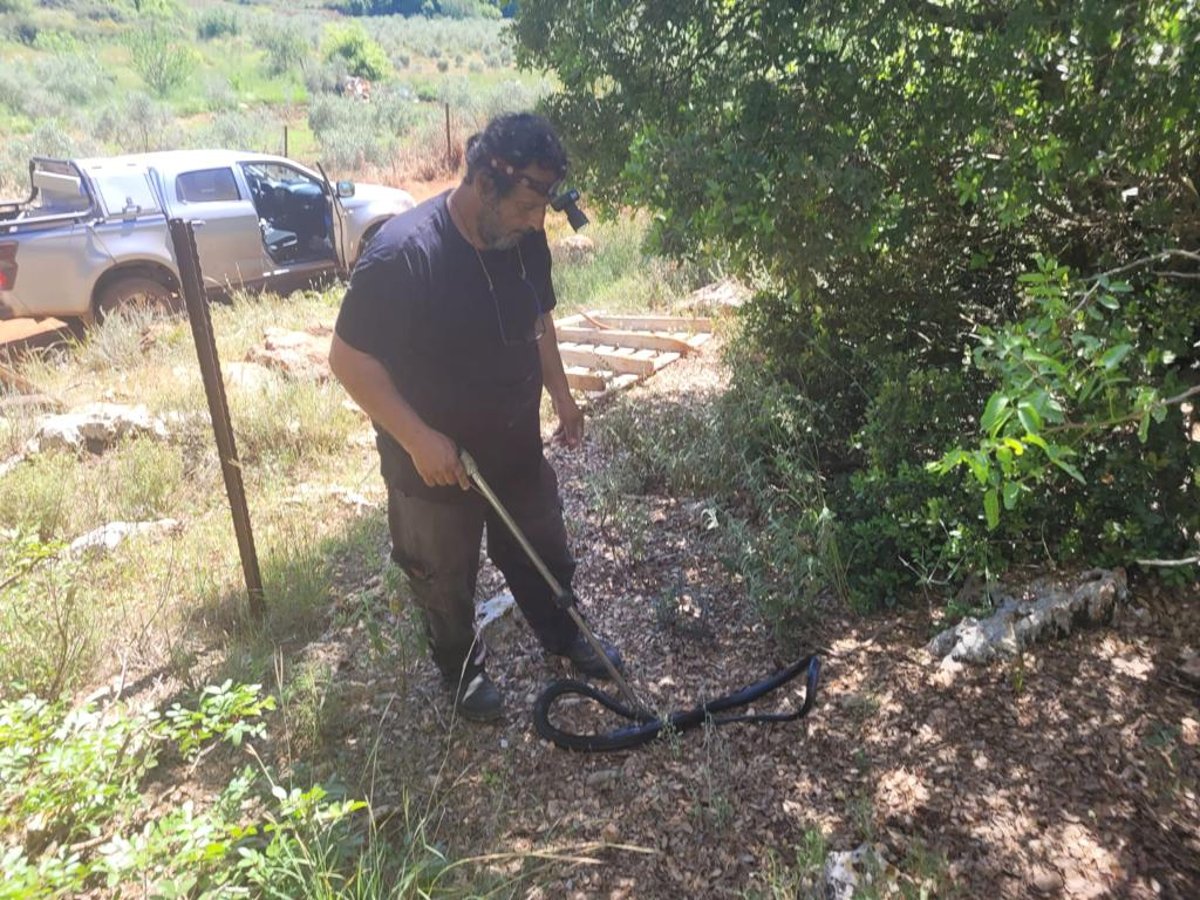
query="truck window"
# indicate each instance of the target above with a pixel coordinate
(207, 186)
(119, 188)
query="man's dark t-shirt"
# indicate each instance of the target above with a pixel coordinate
(420, 303)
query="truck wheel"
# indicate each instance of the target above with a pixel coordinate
(135, 291)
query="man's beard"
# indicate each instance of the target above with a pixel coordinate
(490, 233)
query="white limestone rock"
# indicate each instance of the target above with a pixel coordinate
(107, 538)
(95, 428)
(1046, 611)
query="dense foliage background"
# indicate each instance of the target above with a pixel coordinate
(975, 228)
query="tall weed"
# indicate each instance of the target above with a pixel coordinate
(40, 495)
(140, 479)
(47, 634)
(289, 422)
(619, 276)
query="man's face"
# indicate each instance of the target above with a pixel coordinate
(503, 221)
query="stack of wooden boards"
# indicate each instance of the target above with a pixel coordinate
(603, 352)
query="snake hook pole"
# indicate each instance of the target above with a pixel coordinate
(563, 597)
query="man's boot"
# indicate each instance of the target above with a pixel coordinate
(587, 662)
(478, 699)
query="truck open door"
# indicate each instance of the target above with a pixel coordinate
(337, 214)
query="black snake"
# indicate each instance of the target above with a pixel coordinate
(649, 726)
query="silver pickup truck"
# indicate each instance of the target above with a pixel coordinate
(93, 233)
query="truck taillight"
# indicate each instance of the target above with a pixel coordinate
(8, 265)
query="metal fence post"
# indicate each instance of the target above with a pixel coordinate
(183, 237)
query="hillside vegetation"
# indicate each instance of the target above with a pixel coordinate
(94, 77)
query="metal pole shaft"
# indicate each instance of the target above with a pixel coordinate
(183, 237)
(560, 595)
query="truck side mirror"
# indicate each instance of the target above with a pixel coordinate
(345, 189)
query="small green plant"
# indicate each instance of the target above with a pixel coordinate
(72, 811)
(788, 879)
(1017, 675)
(224, 711)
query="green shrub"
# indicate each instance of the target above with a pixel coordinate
(38, 495)
(286, 46)
(352, 134)
(72, 81)
(137, 123)
(141, 479)
(291, 422)
(237, 130)
(943, 274)
(162, 60)
(468, 9)
(56, 41)
(362, 55)
(217, 23)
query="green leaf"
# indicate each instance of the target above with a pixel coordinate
(991, 508)
(1012, 491)
(1038, 441)
(1036, 356)
(1031, 419)
(991, 422)
(1113, 356)
(1068, 468)
(1108, 301)
(980, 467)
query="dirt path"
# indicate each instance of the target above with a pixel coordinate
(1071, 774)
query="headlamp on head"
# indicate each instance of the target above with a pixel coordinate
(560, 200)
(567, 202)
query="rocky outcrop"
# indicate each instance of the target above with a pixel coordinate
(297, 354)
(1045, 611)
(95, 428)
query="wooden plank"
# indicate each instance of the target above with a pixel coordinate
(650, 323)
(664, 359)
(575, 355)
(586, 380)
(623, 381)
(621, 338)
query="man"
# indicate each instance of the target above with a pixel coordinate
(445, 338)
